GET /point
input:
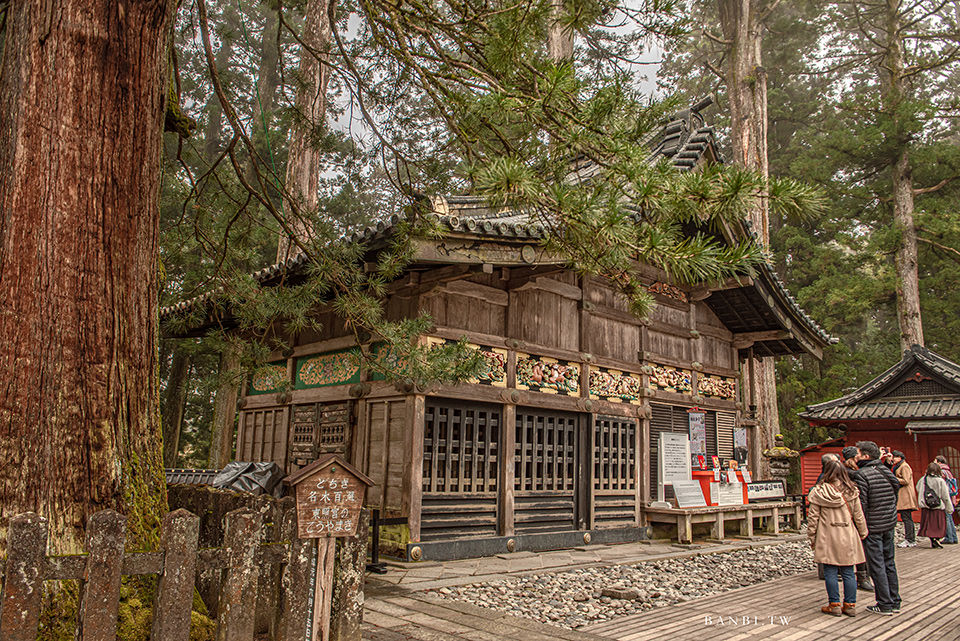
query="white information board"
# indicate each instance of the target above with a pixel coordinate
(689, 494)
(673, 460)
(730, 494)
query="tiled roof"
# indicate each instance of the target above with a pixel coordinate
(684, 140)
(189, 476)
(873, 402)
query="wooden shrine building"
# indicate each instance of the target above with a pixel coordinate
(557, 439)
(913, 407)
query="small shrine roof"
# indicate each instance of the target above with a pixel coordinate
(923, 385)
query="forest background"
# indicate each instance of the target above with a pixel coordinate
(825, 128)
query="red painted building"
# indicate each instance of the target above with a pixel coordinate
(810, 464)
(913, 407)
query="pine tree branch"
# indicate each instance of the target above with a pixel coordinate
(940, 185)
(954, 253)
(716, 38)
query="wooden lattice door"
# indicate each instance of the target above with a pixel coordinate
(460, 470)
(614, 471)
(546, 475)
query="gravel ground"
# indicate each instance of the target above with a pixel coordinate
(575, 598)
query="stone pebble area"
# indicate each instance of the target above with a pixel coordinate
(576, 598)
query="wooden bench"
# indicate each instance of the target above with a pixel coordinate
(719, 515)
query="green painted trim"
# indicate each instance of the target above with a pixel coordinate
(340, 367)
(277, 371)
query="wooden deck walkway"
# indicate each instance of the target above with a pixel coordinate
(929, 587)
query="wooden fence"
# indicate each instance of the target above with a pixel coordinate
(241, 558)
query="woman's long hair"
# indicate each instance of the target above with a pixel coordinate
(835, 472)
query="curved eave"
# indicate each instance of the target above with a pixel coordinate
(858, 404)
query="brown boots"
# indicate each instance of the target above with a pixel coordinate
(831, 608)
(836, 609)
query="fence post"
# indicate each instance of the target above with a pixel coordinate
(106, 535)
(295, 601)
(23, 581)
(171, 614)
(347, 615)
(238, 600)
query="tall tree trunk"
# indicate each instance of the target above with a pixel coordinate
(746, 79)
(906, 257)
(83, 87)
(559, 38)
(213, 130)
(268, 80)
(224, 411)
(175, 398)
(303, 159)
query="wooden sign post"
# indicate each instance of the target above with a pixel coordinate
(330, 495)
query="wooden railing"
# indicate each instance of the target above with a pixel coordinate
(99, 571)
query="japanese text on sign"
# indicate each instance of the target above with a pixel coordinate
(328, 504)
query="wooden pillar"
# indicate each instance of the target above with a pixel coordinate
(586, 480)
(641, 465)
(412, 483)
(773, 522)
(684, 528)
(746, 525)
(323, 588)
(505, 465)
(717, 532)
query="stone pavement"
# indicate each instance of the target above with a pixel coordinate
(398, 609)
(428, 575)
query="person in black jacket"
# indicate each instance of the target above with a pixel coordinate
(849, 456)
(878, 496)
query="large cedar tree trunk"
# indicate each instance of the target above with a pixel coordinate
(310, 106)
(83, 87)
(746, 80)
(906, 259)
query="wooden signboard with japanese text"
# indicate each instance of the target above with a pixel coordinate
(328, 503)
(330, 495)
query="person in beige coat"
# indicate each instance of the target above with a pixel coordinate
(835, 526)
(906, 499)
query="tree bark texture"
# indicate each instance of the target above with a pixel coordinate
(559, 38)
(224, 412)
(83, 87)
(268, 80)
(746, 79)
(310, 106)
(174, 401)
(213, 130)
(906, 260)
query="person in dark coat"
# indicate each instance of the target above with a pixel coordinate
(879, 490)
(849, 456)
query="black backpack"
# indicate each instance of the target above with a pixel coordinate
(930, 496)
